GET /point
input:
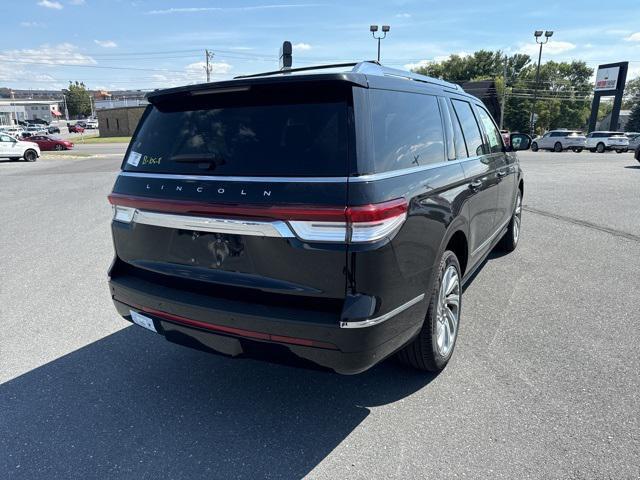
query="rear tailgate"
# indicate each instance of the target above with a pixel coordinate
(212, 184)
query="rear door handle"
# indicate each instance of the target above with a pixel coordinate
(475, 185)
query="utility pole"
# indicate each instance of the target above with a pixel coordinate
(66, 110)
(14, 116)
(208, 56)
(504, 91)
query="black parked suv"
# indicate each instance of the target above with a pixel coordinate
(330, 217)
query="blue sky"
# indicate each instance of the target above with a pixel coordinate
(117, 44)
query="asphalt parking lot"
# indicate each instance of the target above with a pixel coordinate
(544, 382)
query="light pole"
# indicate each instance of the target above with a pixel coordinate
(385, 29)
(538, 36)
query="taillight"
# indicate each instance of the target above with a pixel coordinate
(361, 224)
(358, 224)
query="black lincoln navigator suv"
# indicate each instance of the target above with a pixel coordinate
(330, 216)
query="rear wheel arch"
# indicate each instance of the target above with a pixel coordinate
(459, 245)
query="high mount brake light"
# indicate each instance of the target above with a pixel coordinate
(357, 224)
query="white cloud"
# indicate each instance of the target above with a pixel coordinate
(302, 46)
(61, 54)
(552, 47)
(195, 72)
(106, 43)
(229, 9)
(634, 37)
(50, 4)
(31, 24)
(442, 58)
(17, 74)
(418, 64)
(403, 15)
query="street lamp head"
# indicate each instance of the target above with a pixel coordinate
(538, 33)
(373, 28)
(548, 33)
(386, 28)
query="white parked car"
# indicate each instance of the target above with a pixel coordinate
(91, 124)
(36, 129)
(558, 140)
(12, 130)
(603, 141)
(15, 149)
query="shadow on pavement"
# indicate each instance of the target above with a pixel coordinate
(633, 167)
(135, 406)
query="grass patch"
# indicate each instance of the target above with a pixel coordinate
(81, 140)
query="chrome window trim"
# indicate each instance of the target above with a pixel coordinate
(362, 178)
(375, 321)
(277, 228)
(175, 176)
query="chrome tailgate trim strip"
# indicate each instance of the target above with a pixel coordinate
(255, 228)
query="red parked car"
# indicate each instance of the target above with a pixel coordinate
(48, 143)
(76, 129)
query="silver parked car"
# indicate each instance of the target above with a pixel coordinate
(634, 140)
(559, 140)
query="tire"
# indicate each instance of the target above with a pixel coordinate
(534, 147)
(637, 154)
(509, 242)
(58, 147)
(577, 150)
(600, 148)
(592, 150)
(30, 155)
(557, 147)
(431, 350)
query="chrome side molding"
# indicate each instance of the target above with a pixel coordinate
(374, 321)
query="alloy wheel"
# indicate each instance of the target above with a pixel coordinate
(517, 218)
(448, 311)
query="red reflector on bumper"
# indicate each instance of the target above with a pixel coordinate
(238, 331)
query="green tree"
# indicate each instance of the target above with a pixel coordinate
(631, 93)
(563, 90)
(633, 125)
(78, 99)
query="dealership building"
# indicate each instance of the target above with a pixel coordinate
(18, 110)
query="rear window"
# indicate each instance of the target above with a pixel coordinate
(253, 133)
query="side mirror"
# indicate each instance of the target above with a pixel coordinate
(520, 141)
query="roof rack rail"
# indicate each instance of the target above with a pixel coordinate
(370, 67)
(374, 68)
(299, 69)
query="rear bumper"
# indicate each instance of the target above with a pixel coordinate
(280, 334)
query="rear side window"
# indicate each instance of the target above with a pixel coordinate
(407, 130)
(495, 139)
(470, 128)
(267, 133)
(461, 147)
